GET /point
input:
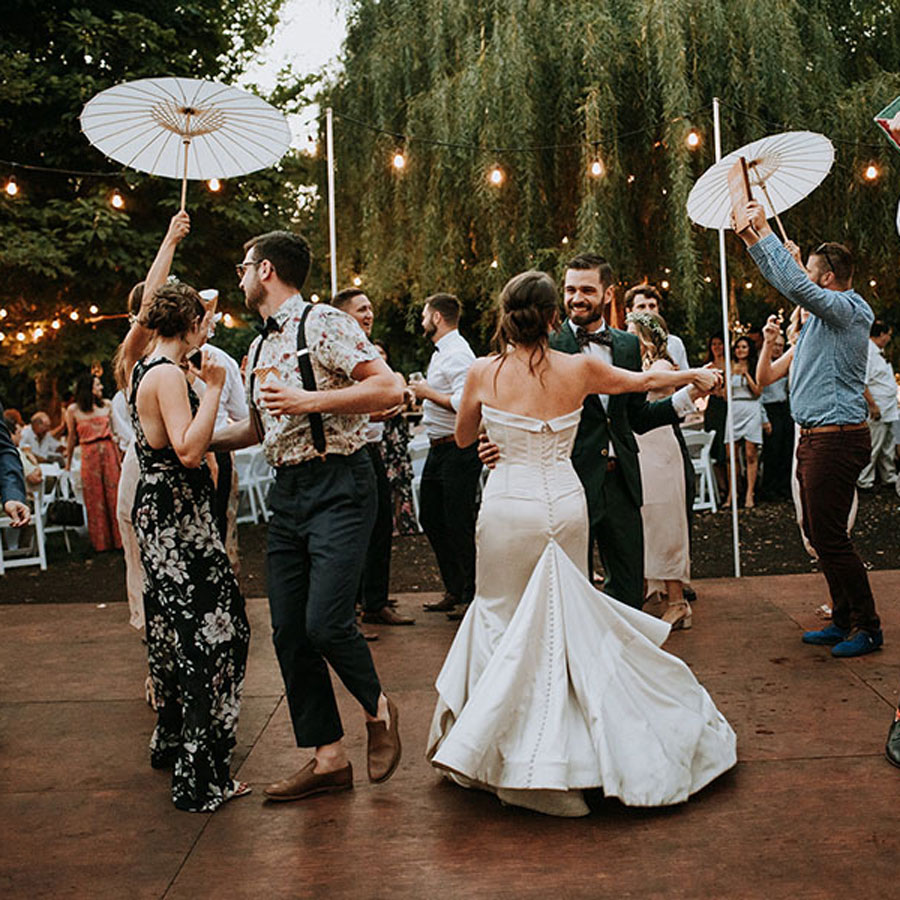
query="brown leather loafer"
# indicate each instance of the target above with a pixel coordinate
(446, 604)
(307, 782)
(384, 746)
(386, 616)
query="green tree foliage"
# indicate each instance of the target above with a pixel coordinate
(63, 246)
(543, 89)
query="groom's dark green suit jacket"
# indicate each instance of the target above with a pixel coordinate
(628, 414)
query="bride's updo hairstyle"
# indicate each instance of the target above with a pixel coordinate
(174, 310)
(529, 308)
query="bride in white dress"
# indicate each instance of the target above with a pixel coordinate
(551, 686)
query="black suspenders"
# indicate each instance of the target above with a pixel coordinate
(304, 364)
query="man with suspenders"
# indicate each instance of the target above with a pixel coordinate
(312, 377)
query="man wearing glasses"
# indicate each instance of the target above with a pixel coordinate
(312, 379)
(828, 377)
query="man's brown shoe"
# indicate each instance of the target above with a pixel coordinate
(384, 746)
(446, 604)
(386, 616)
(307, 782)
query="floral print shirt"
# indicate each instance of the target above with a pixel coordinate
(336, 346)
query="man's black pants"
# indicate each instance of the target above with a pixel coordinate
(447, 513)
(376, 578)
(322, 516)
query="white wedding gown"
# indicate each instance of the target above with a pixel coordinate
(551, 686)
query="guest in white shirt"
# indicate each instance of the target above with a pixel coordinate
(881, 398)
(450, 477)
(37, 438)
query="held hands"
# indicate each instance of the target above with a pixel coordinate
(18, 512)
(705, 380)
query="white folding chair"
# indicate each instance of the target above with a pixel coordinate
(699, 444)
(243, 464)
(418, 453)
(35, 554)
(58, 486)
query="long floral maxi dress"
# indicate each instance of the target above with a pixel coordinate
(197, 629)
(99, 481)
(394, 448)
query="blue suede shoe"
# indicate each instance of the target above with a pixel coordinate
(860, 644)
(829, 635)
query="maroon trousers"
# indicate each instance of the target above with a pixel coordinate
(827, 468)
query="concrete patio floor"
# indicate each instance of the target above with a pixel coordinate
(811, 811)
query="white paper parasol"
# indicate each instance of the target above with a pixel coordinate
(185, 128)
(783, 168)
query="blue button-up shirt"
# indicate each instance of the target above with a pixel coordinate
(828, 373)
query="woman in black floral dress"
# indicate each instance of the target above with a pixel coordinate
(197, 627)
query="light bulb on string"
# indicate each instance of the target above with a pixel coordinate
(20, 336)
(598, 170)
(664, 285)
(871, 172)
(692, 139)
(314, 298)
(117, 201)
(357, 281)
(228, 320)
(398, 161)
(12, 188)
(56, 324)
(565, 239)
(38, 333)
(872, 282)
(3, 313)
(748, 285)
(214, 185)
(2, 337)
(497, 177)
(74, 315)
(93, 310)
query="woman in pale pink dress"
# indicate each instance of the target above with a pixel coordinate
(88, 421)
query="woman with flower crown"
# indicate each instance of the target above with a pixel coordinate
(667, 557)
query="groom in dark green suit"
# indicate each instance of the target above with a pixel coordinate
(605, 454)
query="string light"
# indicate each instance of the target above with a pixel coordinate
(748, 284)
(357, 281)
(565, 239)
(12, 189)
(707, 279)
(93, 310)
(117, 200)
(56, 324)
(399, 161)
(20, 336)
(872, 282)
(630, 179)
(497, 177)
(2, 337)
(3, 313)
(664, 285)
(598, 170)
(871, 172)
(74, 315)
(228, 321)
(692, 139)
(214, 185)
(38, 333)
(314, 298)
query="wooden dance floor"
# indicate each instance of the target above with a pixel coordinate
(811, 810)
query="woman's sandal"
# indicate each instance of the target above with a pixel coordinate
(237, 789)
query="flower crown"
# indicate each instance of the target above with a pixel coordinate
(651, 323)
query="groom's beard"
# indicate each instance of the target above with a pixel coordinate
(583, 319)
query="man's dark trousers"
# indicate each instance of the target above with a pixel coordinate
(447, 513)
(778, 452)
(376, 578)
(322, 516)
(223, 492)
(828, 465)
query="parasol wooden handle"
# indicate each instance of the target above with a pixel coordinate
(762, 184)
(186, 139)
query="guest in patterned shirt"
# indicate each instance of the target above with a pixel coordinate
(323, 506)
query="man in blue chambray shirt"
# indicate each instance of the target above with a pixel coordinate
(828, 376)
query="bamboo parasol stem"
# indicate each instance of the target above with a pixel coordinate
(186, 137)
(762, 184)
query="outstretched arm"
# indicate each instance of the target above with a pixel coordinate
(768, 370)
(139, 335)
(602, 378)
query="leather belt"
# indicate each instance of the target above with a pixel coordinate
(829, 429)
(448, 439)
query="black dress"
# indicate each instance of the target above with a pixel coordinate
(197, 629)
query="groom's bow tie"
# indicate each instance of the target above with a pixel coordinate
(583, 337)
(268, 327)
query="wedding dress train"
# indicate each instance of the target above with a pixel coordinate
(550, 685)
